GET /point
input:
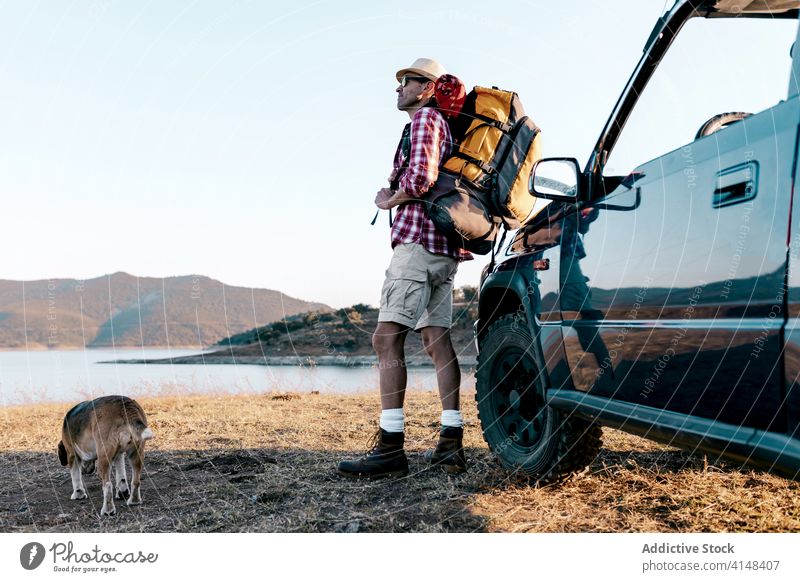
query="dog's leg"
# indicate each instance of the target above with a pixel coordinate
(122, 479)
(104, 470)
(78, 489)
(137, 460)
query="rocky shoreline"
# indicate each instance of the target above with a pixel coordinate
(338, 360)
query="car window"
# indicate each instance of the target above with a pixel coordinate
(714, 66)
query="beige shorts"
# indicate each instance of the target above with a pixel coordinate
(418, 290)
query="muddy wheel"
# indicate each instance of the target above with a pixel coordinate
(527, 436)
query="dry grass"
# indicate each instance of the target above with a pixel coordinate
(266, 463)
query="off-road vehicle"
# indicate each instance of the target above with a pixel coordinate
(663, 299)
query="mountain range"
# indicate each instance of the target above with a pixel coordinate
(124, 310)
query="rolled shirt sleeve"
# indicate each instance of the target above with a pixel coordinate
(429, 136)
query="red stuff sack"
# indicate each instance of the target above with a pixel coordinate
(450, 94)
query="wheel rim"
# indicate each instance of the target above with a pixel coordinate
(516, 399)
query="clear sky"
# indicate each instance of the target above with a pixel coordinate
(246, 140)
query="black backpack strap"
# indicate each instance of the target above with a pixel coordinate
(484, 167)
(504, 127)
(496, 248)
(375, 218)
(405, 142)
(405, 148)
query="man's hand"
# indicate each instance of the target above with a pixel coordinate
(388, 198)
(383, 198)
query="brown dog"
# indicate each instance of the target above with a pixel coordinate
(104, 431)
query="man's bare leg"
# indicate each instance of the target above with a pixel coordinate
(387, 457)
(449, 451)
(439, 347)
(389, 341)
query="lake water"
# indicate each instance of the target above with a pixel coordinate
(69, 376)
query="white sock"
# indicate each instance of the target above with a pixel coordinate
(392, 419)
(452, 418)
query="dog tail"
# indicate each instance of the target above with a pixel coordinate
(62, 453)
(140, 424)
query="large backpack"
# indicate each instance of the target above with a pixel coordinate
(485, 181)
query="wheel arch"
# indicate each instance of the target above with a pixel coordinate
(501, 295)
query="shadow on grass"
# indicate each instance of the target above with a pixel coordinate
(258, 490)
(289, 490)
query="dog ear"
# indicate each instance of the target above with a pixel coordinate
(62, 453)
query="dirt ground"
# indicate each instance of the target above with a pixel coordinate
(266, 463)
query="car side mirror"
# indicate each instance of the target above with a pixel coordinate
(555, 179)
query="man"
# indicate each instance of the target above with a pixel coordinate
(418, 291)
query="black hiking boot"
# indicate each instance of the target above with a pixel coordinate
(386, 458)
(449, 451)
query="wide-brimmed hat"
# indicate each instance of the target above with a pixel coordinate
(427, 68)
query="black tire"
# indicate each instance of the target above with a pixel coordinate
(527, 436)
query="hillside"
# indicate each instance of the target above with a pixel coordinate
(125, 310)
(341, 337)
(345, 332)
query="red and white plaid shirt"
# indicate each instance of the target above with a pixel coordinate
(430, 144)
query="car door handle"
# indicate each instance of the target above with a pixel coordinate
(735, 185)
